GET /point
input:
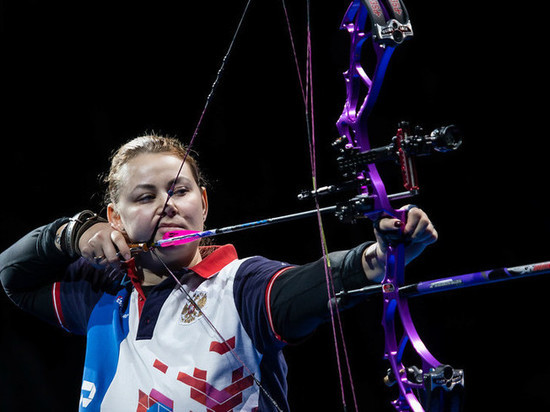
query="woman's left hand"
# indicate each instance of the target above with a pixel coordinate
(417, 233)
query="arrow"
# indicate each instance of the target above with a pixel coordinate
(180, 237)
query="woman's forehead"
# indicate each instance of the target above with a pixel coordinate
(153, 167)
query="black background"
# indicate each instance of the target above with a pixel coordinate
(82, 78)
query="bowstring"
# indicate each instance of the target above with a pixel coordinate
(213, 89)
(307, 95)
(170, 193)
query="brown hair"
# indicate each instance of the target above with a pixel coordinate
(150, 143)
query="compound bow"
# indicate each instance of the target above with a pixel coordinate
(389, 27)
(384, 25)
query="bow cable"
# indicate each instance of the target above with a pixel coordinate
(307, 95)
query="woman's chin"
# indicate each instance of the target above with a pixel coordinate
(175, 257)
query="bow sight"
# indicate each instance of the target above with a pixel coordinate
(404, 148)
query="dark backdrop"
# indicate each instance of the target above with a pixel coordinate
(81, 78)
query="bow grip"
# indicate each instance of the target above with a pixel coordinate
(394, 237)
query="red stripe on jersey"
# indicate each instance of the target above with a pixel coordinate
(268, 301)
(222, 347)
(160, 366)
(56, 300)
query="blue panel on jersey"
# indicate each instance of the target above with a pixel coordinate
(107, 328)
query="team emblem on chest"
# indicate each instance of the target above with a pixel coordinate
(191, 310)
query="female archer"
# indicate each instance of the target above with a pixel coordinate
(184, 327)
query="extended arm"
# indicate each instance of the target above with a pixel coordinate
(299, 298)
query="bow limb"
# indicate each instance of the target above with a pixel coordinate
(353, 121)
(389, 26)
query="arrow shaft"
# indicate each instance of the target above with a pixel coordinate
(231, 229)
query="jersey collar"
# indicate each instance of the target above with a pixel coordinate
(217, 257)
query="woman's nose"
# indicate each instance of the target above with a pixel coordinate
(170, 208)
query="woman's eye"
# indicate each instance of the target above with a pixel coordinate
(180, 191)
(145, 198)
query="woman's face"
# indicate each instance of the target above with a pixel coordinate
(145, 181)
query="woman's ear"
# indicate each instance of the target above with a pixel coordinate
(204, 196)
(114, 218)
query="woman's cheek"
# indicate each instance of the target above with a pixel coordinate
(138, 224)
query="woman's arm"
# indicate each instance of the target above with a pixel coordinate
(42, 279)
(299, 298)
(30, 267)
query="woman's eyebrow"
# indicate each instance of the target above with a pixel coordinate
(170, 184)
(144, 186)
(179, 179)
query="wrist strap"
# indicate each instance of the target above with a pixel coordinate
(77, 225)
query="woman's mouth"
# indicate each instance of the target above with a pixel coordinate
(165, 228)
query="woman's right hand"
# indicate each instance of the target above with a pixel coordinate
(104, 246)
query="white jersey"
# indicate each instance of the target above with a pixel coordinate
(167, 352)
